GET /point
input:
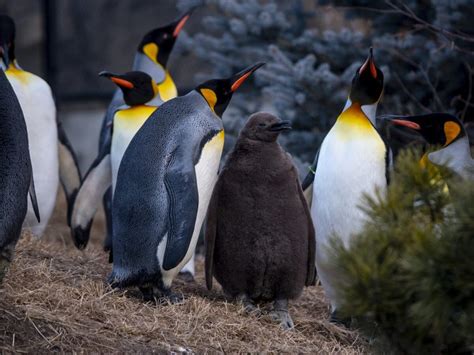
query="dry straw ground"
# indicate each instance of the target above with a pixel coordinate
(54, 299)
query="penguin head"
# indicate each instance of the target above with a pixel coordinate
(265, 127)
(158, 43)
(436, 128)
(367, 84)
(138, 87)
(7, 40)
(218, 92)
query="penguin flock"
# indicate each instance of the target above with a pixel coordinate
(158, 176)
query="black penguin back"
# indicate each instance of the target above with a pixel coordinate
(262, 229)
(15, 168)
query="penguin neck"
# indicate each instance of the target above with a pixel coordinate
(368, 110)
(167, 89)
(456, 156)
(14, 67)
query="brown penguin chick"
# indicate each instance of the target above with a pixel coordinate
(260, 242)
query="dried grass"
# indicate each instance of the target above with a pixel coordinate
(54, 299)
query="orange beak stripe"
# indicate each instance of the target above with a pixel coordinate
(122, 82)
(180, 25)
(408, 124)
(373, 69)
(240, 81)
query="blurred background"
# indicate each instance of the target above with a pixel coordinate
(312, 49)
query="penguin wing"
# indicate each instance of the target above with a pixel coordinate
(311, 267)
(307, 184)
(32, 192)
(210, 235)
(69, 173)
(96, 182)
(183, 201)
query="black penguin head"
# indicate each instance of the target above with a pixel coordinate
(138, 87)
(265, 127)
(218, 92)
(436, 128)
(7, 39)
(158, 43)
(367, 84)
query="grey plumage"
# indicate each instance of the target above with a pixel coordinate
(15, 173)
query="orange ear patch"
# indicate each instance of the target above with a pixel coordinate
(451, 131)
(210, 97)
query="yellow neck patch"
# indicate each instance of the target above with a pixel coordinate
(151, 51)
(167, 88)
(132, 118)
(451, 131)
(14, 71)
(210, 97)
(353, 124)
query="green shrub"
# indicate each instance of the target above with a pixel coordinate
(409, 276)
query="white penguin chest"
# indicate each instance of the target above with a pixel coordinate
(351, 163)
(126, 124)
(206, 177)
(39, 110)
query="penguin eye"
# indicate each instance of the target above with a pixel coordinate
(165, 36)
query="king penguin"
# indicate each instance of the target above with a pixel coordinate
(447, 132)
(260, 241)
(152, 58)
(164, 185)
(352, 161)
(15, 173)
(39, 111)
(138, 88)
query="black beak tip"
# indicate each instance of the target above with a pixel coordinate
(105, 74)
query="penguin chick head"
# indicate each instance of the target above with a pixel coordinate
(158, 43)
(218, 92)
(265, 127)
(7, 39)
(138, 87)
(367, 84)
(436, 128)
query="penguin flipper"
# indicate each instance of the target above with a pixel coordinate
(96, 182)
(311, 267)
(69, 173)
(307, 184)
(210, 236)
(34, 200)
(183, 199)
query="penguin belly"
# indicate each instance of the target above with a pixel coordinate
(351, 163)
(126, 124)
(39, 110)
(206, 177)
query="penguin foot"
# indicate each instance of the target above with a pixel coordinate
(167, 296)
(280, 314)
(249, 306)
(147, 293)
(337, 319)
(283, 317)
(186, 276)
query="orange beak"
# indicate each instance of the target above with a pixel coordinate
(408, 124)
(119, 81)
(122, 82)
(181, 23)
(369, 63)
(239, 78)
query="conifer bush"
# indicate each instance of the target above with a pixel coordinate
(409, 276)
